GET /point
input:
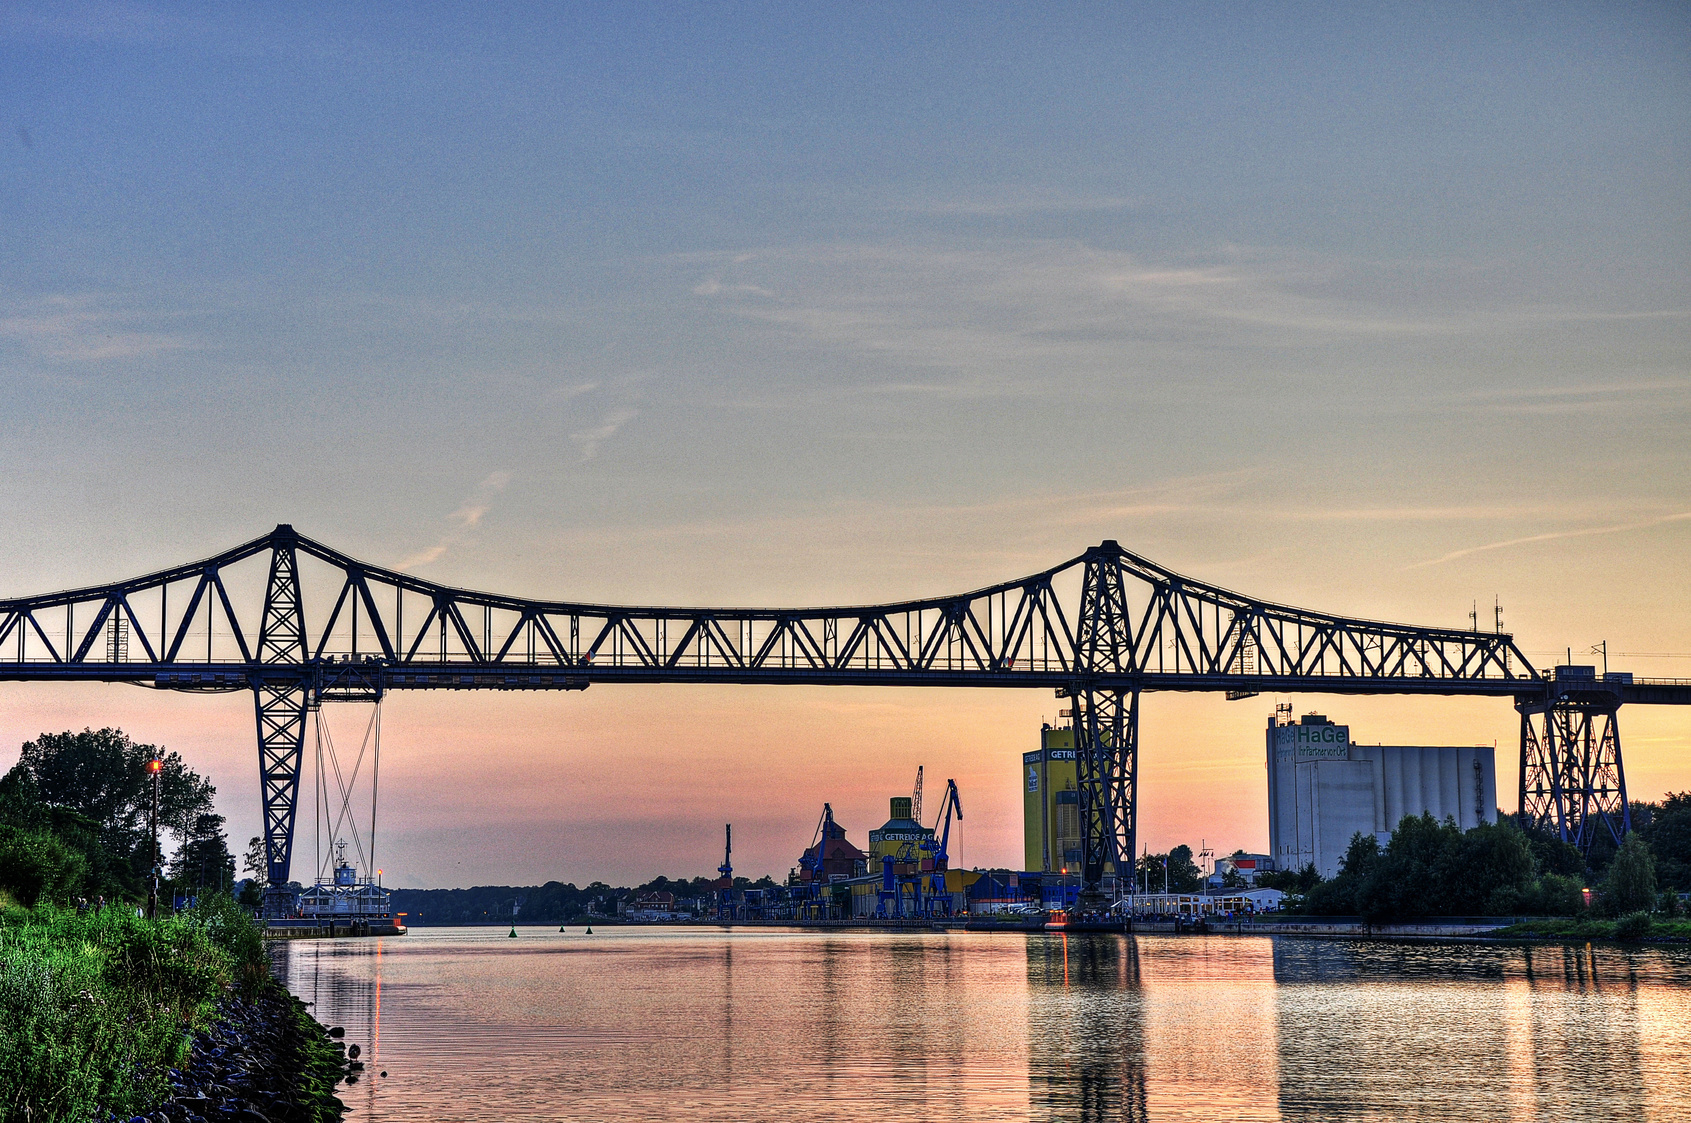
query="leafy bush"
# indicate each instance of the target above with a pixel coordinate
(1631, 882)
(36, 864)
(1633, 926)
(232, 929)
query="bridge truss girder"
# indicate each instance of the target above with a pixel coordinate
(316, 625)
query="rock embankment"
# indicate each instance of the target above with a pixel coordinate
(263, 1061)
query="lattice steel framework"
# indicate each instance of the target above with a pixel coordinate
(316, 625)
(281, 705)
(1572, 780)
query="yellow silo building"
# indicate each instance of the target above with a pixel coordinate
(1051, 804)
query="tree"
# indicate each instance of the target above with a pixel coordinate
(1669, 836)
(1631, 882)
(20, 800)
(254, 864)
(1184, 876)
(1290, 881)
(1346, 894)
(1408, 880)
(1489, 872)
(204, 861)
(103, 774)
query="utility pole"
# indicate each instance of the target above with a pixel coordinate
(154, 767)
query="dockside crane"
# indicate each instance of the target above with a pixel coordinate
(949, 803)
(725, 903)
(916, 798)
(813, 863)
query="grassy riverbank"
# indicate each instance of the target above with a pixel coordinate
(96, 1008)
(1635, 926)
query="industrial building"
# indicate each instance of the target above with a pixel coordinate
(1051, 805)
(1323, 789)
(839, 858)
(900, 838)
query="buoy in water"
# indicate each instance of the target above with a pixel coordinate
(589, 929)
(561, 928)
(513, 931)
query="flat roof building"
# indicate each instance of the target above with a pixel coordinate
(1323, 789)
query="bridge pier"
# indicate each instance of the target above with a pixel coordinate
(1573, 782)
(1106, 725)
(280, 704)
(281, 748)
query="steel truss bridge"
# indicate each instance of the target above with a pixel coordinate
(300, 624)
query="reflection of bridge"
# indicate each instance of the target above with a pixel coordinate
(313, 625)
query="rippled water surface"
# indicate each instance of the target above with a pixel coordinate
(655, 1023)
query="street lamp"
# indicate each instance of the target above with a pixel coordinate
(154, 767)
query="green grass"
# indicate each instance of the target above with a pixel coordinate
(1584, 928)
(94, 1008)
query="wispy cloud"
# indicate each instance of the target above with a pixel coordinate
(1580, 398)
(589, 440)
(465, 519)
(1000, 316)
(995, 204)
(1551, 536)
(85, 328)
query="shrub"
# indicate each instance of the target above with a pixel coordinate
(1633, 926)
(232, 929)
(1631, 882)
(1554, 895)
(36, 864)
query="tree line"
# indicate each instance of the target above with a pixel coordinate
(552, 903)
(1430, 868)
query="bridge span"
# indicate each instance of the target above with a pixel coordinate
(300, 624)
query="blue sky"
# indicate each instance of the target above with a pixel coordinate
(1378, 309)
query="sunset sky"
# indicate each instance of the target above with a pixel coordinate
(1381, 312)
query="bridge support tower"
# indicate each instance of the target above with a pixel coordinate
(281, 705)
(1573, 783)
(1106, 727)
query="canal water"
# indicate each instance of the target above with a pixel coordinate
(765, 1024)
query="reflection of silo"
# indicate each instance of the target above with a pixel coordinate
(1424, 1034)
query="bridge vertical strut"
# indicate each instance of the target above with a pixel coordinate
(280, 704)
(1572, 779)
(1106, 724)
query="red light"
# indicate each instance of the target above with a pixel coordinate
(155, 766)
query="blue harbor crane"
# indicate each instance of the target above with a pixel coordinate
(812, 862)
(950, 802)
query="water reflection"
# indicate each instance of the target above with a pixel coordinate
(1506, 1033)
(1086, 1039)
(657, 1024)
(1583, 1031)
